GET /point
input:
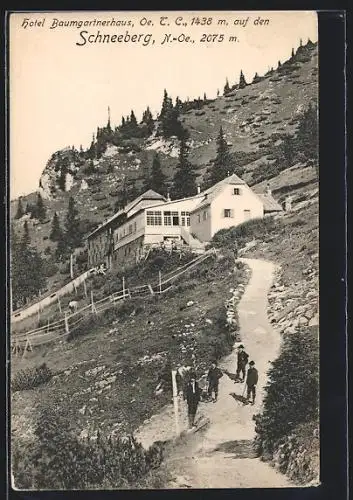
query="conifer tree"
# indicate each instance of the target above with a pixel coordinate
(27, 277)
(56, 233)
(222, 165)
(307, 135)
(256, 78)
(167, 105)
(147, 119)
(226, 87)
(20, 212)
(156, 180)
(133, 120)
(72, 226)
(204, 96)
(242, 81)
(178, 104)
(184, 181)
(40, 208)
(292, 54)
(26, 240)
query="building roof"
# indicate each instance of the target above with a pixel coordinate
(269, 203)
(211, 193)
(148, 195)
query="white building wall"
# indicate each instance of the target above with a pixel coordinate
(200, 224)
(244, 206)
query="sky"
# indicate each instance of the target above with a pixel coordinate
(59, 92)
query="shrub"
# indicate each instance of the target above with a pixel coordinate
(31, 378)
(50, 268)
(291, 395)
(61, 460)
(243, 233)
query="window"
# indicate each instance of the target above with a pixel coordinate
(134, 227)
(198, 218)
(236, 191)
(130, 228)
(175, 218)
(167, 218)
(154, 218)
(228, 213)
(205, 214)
(185, 218)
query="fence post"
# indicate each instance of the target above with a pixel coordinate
(160, 281)
(123, 287)
(28, 346)
(85, 288)
(93, 307)
(176, 403)
(67, 329)
(59, 304)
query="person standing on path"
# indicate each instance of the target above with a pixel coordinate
(252, 378)
(242, 361)
(213, 376)
(192, 396)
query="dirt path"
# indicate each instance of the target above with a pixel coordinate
(221, 455)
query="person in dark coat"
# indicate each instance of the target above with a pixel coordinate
(213, 376)
(242, 361)
(252, 378)
(192, 396)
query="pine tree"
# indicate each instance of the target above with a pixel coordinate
(27, 277)
(133, 120)
(40, 208)
(204, 96)
(156, 179)
(307, 135)
(292, 54)
(217, 92)
(167, 105)
(226, 87)
(56, 233)
(91, 153)
(178, 104)
(147, 119)
(26, 240)
(256, 78)
(242, 81)
(222, 165)
(184, 181)
(20, 212)
(279, 64)
(72, 226)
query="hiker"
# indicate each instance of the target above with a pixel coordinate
(192, 396)
(73, 306)
(213, 376)
(252, 378)
(242, 358)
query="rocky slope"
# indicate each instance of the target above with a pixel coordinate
(253, 119)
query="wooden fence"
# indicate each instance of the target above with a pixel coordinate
(22, 342)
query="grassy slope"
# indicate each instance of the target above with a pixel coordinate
(162, 327)
(249, 119)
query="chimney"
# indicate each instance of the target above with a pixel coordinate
(168, 196)
(268, 189)
(198, 189)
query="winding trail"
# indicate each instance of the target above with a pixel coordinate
(221, 455)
